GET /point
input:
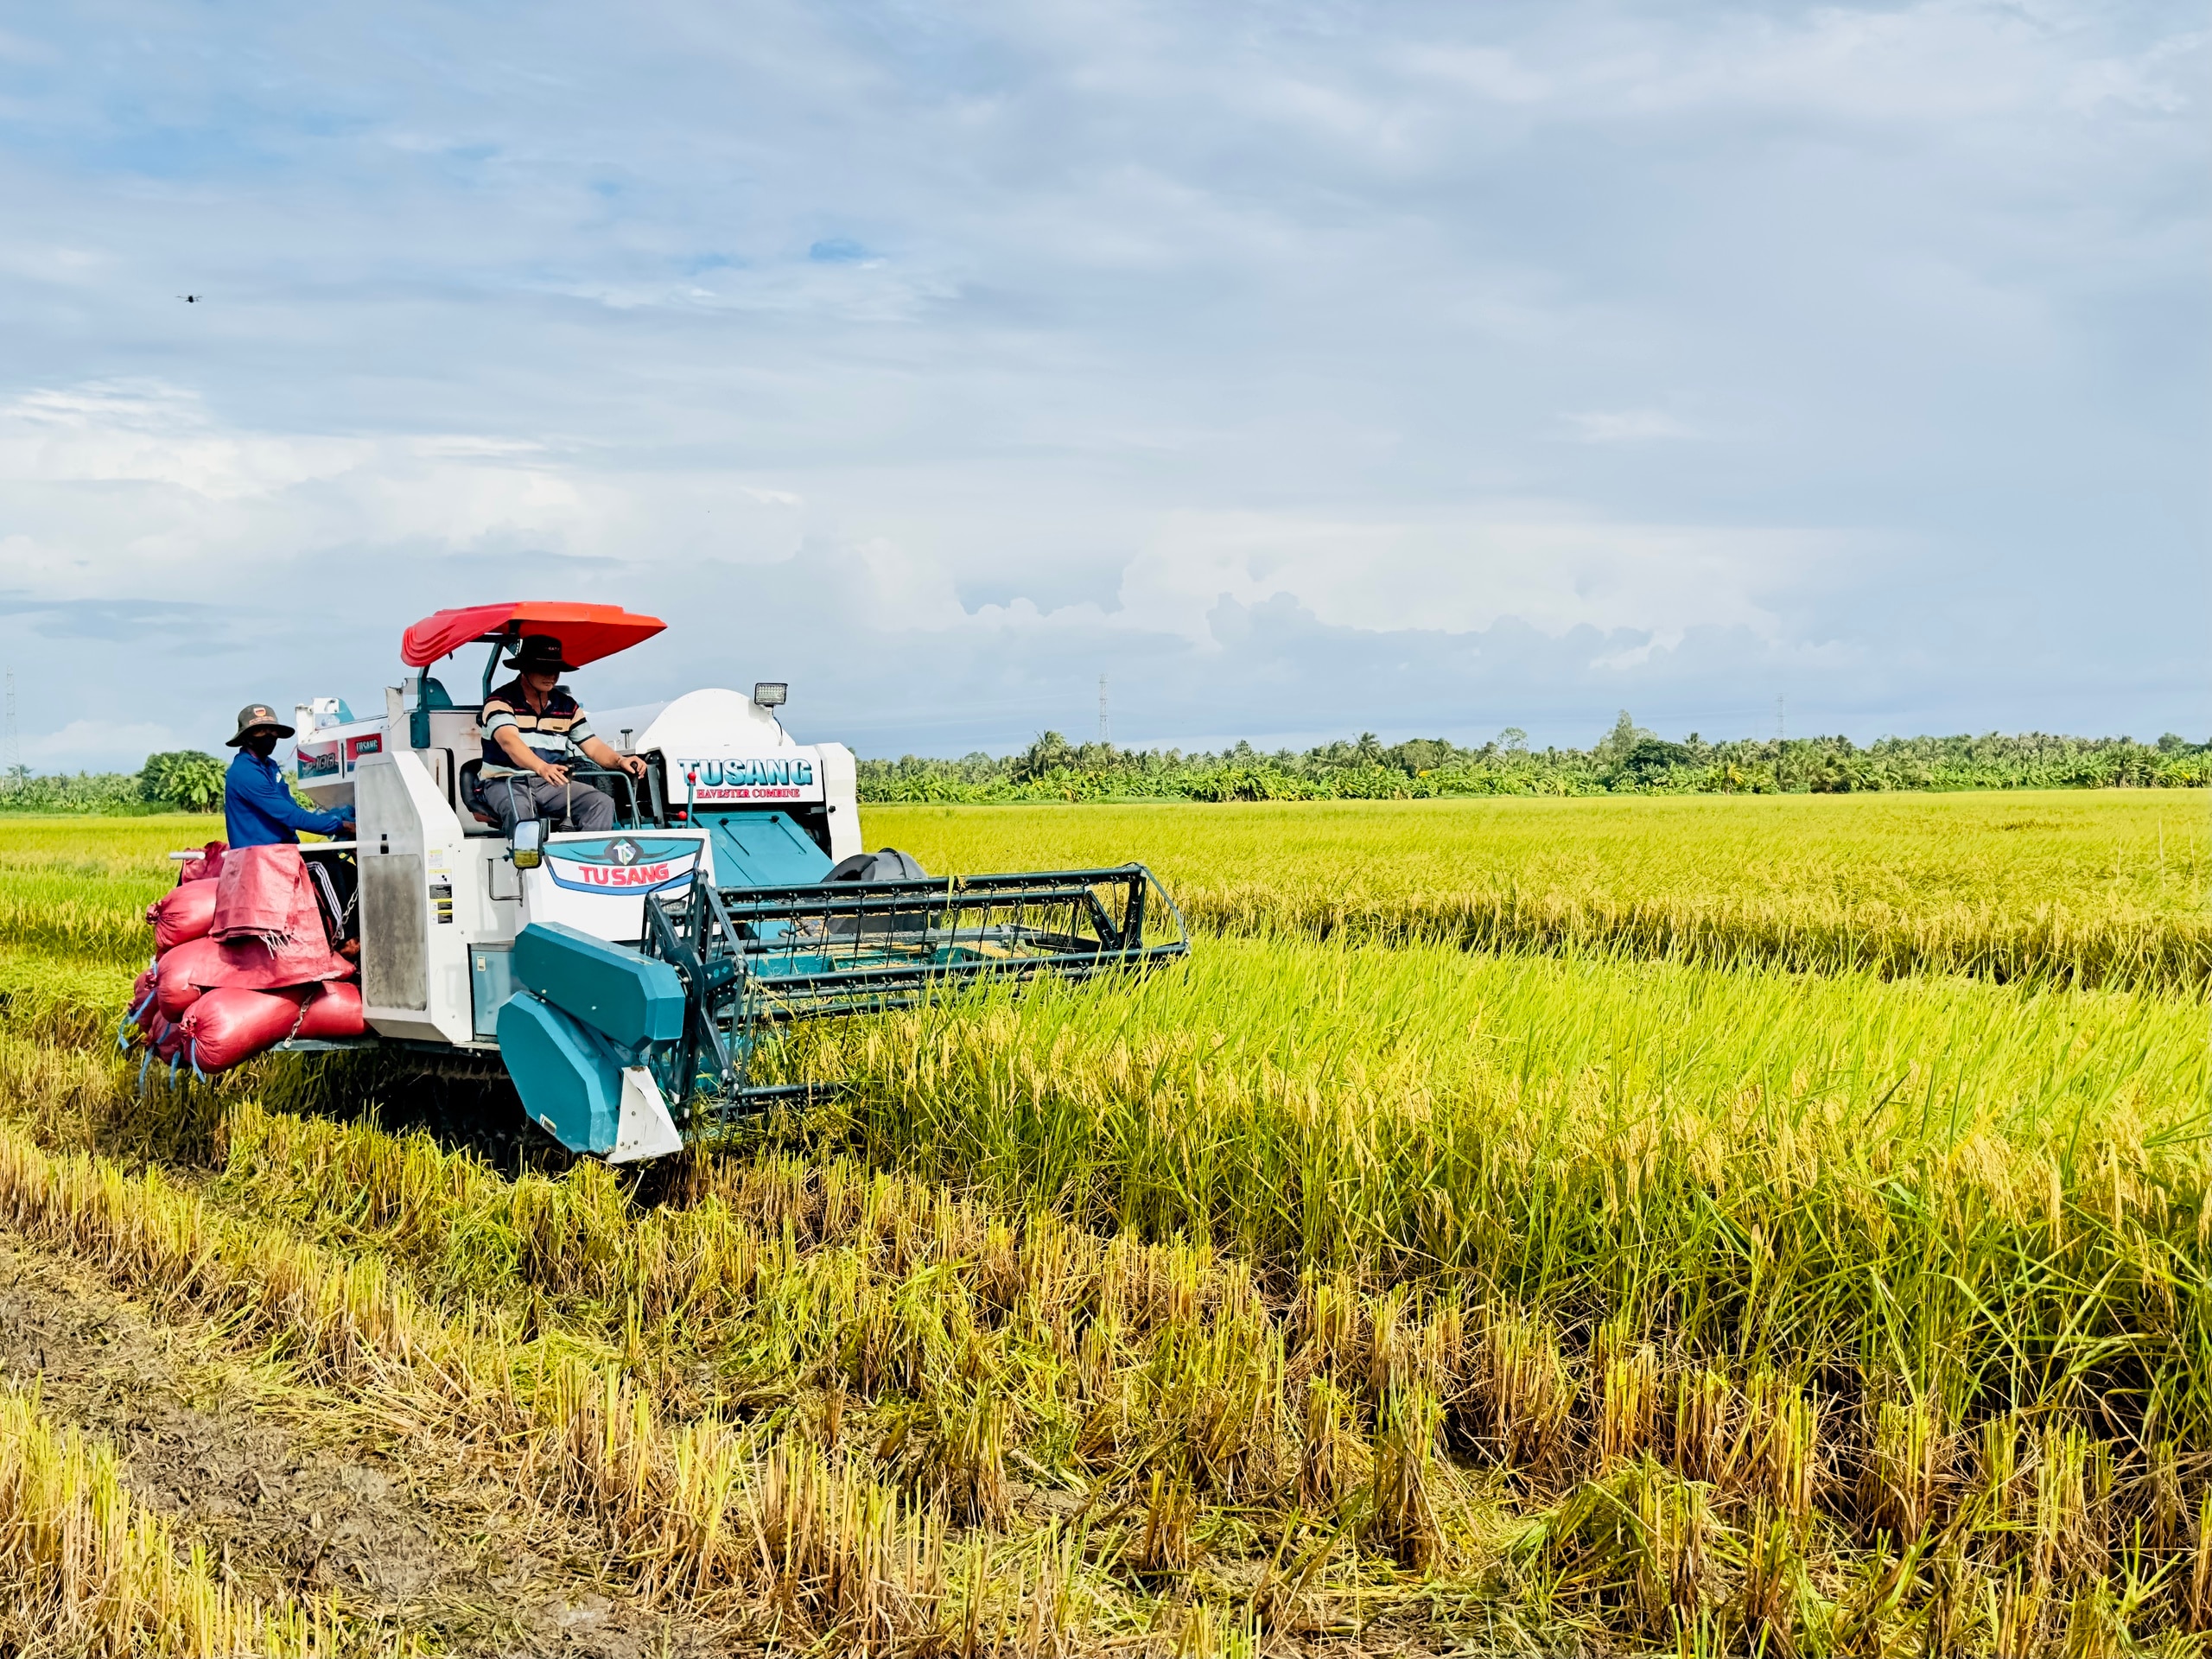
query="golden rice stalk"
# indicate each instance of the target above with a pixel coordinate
(838, 1551)
(1774, 1582)
(1709, 1429)
(1528, 1389)
(1628, 1403)
(1165, 1544)
(2198, 1609)
(2068, 1539)
(2019, 1617)
(1785, 1449)
(1333, 1458)
(1897, 1484)
(1403, 1512)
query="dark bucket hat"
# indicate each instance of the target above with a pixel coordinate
(540, 653)
(253, 717)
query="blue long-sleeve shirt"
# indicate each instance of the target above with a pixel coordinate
(258, 810)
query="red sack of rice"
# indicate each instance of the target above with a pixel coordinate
(229, 1025)
(143, 1006)
(181, 973)
(182, 914)
(334, 1011)
(254, 965)
(166, 1039)
(262, 893)
(205, 867)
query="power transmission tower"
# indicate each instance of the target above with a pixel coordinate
(1781, 721)
(1105, 728)
(11, 762)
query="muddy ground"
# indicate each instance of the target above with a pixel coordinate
(298, 1492)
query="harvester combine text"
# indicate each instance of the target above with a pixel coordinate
(625, 979)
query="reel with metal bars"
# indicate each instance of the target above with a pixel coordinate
(751, 957)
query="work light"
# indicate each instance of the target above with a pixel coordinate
(769, 694)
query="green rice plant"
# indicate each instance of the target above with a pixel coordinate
(79, 887)
(68, 1001)
(96, 919)
(2089, 889)
(1320, 1104)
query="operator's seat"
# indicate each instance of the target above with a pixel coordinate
(470, 777)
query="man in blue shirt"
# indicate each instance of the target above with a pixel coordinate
(258, 810)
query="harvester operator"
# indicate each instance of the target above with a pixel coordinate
(528, 724)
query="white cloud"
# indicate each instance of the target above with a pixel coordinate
(1150, 306)
(1627, 425)
(98, 746)
(1464, 574)
(151, 432)
(116, 485)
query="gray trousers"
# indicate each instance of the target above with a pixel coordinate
(526, 795)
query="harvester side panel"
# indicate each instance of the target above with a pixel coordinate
(402, 816)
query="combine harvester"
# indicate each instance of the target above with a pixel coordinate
(625, 979)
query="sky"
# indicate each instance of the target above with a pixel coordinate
(1302, 369)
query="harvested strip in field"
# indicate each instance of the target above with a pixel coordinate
(2087, 887)
(300, 1493)
(1167, 1387)
(777, 1534)
(84, 1568)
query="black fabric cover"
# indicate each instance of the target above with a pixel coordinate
(888, 865)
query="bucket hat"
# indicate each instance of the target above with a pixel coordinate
(253, 715)
(540, 653)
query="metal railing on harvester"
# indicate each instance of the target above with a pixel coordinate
(753, 957)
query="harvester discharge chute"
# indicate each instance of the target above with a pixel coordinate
(626, 977)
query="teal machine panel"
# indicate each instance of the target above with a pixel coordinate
(761, 849)
(628, 998)
(582, 1010)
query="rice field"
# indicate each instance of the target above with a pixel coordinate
(1611, 1227)
(2076, 886)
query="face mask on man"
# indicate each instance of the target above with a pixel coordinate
(262, 744)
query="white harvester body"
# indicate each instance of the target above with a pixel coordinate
(440, 899)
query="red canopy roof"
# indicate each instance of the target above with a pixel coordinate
(587, 632)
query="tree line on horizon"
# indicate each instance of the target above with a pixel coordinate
(1628, 760)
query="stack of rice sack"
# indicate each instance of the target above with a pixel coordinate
(241, 963)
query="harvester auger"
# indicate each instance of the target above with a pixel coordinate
(625, 978)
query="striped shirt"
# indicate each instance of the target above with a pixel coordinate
(548, 731)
